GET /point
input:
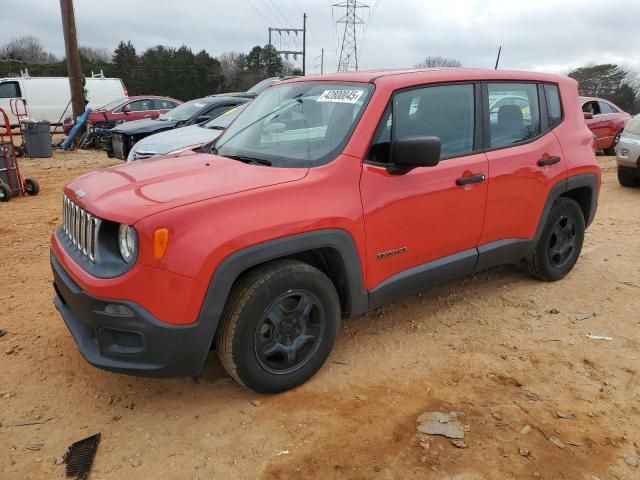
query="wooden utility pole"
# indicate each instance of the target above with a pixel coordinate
(322, 61)
(304, 44)
(73, 57)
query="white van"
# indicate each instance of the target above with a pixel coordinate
(48, 97)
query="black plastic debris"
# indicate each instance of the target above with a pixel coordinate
(2, 332)
(80, 455)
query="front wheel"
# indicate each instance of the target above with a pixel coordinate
(628, 178)
(612, 149)
(559, 245)
(279, 326)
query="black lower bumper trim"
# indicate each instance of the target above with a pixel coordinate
(136, 343)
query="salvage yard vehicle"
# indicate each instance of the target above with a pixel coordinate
(606, 121)
(127, 109)
(125, 136)
(177, 141)
(628, 154)
(49, 97)
(327, 197)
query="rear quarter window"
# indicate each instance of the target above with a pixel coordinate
(554, 106)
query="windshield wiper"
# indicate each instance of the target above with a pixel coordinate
(216, 127)
(245, 159)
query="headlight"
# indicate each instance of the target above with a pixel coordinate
(180, 150)
(127, 242)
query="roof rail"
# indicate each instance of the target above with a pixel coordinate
(98, 75)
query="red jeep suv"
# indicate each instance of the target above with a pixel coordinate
(327, 197)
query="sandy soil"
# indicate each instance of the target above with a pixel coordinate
(504, 349)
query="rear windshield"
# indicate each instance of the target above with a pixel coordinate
(297, 124)
(114, 104)
(633, 126)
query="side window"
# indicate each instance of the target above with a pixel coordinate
(163, 104)
(140, 105)
(514, 113)
(554, 106)
(9, 90)
(446, 112)
(606, 108)
(591, 107)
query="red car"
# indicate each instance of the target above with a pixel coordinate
(605, 120)
(328, 196)
(127, 109)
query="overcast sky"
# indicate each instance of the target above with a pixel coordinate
(546, 35)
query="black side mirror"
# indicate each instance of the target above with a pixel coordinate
(411, 152)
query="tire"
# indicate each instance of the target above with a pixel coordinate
(560, 244)
(31, 186)
(5, 193)
(612, 149)
(19, 151)
(265, 319)
(627, 178)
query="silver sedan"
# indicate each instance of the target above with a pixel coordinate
(628, 154)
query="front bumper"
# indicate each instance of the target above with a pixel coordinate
(628, 153)
(137, 343)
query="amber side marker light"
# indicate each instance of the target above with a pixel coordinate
(160, 242)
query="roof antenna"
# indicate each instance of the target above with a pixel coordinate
(498, 59)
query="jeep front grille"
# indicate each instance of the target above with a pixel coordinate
(81, 228)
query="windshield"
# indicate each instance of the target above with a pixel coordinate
(183, 112)
(633, 126)
(223, 121)
(263, 85)
(297, 124)
(114, 104)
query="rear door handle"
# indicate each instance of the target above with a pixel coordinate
(479, 177)
(548, 161)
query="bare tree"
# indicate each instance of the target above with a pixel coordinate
(231, 64)
(439, 62)
(102, 55)
(28, 49)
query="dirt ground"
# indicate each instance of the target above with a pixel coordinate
(504, 349)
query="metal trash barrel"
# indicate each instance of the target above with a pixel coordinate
(37, 137)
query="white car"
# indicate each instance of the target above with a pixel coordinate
(175, 141)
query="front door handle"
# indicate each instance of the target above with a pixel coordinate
(548, 161)
(479, 177)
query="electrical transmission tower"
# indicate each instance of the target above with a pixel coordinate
(349, 50)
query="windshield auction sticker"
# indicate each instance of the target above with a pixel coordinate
(340, 96)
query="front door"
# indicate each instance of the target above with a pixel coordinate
(428, 213)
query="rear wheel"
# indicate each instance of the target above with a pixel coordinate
(31, 186)
(279, 326)
(628, 178)
(560, 244)
(5, 193)
(612, 149)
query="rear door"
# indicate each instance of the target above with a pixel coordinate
(525, 159)
(428, 213)
(163, 106)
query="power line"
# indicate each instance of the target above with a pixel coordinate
(281, 14)
(258, 11)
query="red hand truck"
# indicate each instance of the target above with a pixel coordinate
(11, 182)
(20, 111)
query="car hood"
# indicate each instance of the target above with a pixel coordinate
(127, 193)
(143, 126)
(165, 142)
